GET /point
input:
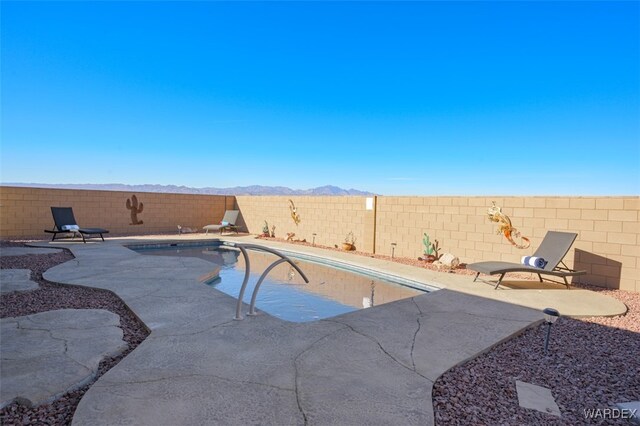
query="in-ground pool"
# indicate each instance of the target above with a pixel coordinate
(330, 291)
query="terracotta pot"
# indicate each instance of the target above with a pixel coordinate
(430, 258)
(347, 246)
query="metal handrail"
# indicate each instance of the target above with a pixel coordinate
(243, 249)
(252, 306)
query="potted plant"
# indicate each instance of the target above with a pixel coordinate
(349, 242)
(265, 230)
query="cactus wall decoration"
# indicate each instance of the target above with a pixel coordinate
(495, 215)
(294, 213)
(132, 204)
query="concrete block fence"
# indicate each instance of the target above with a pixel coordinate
(608, 227)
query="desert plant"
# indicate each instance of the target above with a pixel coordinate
(430, 249)
(426, 242)
(265, 229)
(349, 242)
(435, 247)
(273, 231)
(350, 238)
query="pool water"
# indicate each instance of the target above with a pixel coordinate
(284, 294)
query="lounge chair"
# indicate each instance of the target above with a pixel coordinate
(65, 223)
(553, 249)
(228, 223)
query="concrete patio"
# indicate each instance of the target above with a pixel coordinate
(374, 366)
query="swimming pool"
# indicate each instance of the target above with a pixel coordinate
(330, 291)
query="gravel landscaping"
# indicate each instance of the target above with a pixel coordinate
(592, 363)
(404, 260)
(52, 296)
(461, 269)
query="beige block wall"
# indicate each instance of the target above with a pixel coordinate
(607, 227)
(25, 212)
(330, 218)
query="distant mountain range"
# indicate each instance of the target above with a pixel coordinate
(236, 190)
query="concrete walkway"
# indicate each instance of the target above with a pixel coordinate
(198, 366)
(16, 280)
(47, 354)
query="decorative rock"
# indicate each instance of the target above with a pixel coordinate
(631, 410)
(450, 261)
(536, 398)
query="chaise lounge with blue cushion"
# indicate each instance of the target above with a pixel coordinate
(65, 223)
(553, 249)
(228, 222)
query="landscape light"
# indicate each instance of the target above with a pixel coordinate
(550, 316)
(314, 239)
(393, 249)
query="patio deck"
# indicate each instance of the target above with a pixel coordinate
(373, 366)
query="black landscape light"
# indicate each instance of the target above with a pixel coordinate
(314, 239)
(393, 249)
(550, 316)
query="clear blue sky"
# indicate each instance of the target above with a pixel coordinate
(395, 98)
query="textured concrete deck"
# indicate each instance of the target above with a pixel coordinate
(16, 280)
(374, 366)
(47, 354)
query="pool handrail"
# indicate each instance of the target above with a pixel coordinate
(252, 306)
(243, 249)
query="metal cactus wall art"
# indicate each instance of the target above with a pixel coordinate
(509, 232)
(135, 208)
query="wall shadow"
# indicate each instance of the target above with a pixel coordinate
(601, 271)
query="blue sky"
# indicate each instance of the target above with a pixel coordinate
(415, 98)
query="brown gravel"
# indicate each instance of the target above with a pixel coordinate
(404, 260)
(592, 363)
(461, 269)
(51, 296)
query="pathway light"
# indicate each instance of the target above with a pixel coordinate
(550, 316)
